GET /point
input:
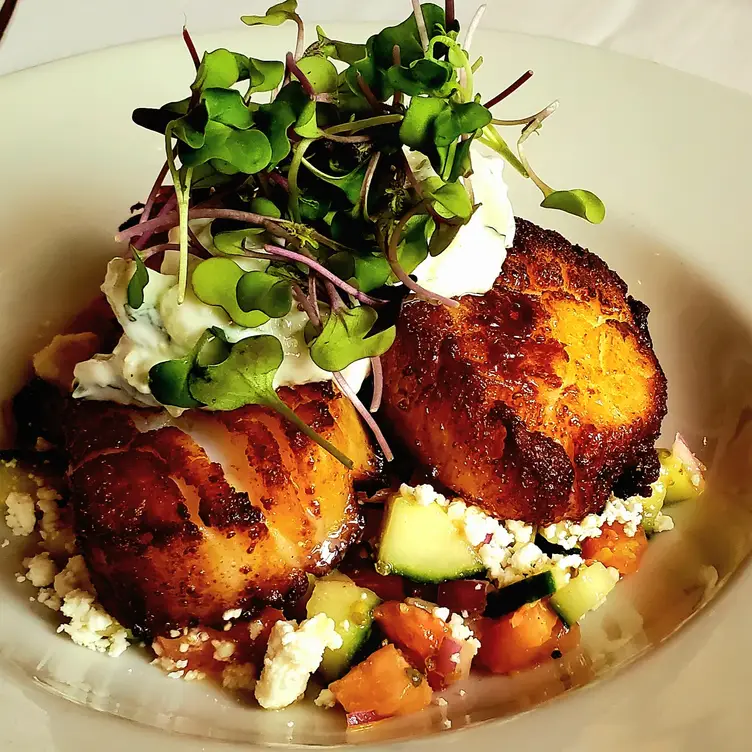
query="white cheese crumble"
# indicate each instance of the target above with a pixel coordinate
(325, 699)
(41, 570)
(91, 626)
(20, 516)
(568, 534)
(239, 676)
(292, 655)
(223, 650)
(232, 613)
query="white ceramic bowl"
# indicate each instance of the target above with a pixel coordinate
(671, 157)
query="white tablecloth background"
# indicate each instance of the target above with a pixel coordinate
(712, 38)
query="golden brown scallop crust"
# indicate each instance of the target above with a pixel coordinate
(173, 538)
(536, 398)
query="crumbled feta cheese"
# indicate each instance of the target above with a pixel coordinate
(20, 516)
(255, 628)
(5, 543)
(441, 613)
(91, 626)
(75, 576)
(48, 597)
(521, 531)
(293, 654)
(194, 675)
(239, 676)
(326, 699)
(176, 675)
(41, 570)
(663, 523)
(232, 613)
(175, 633)
(56, 532)
(424, 495)
(223, 649)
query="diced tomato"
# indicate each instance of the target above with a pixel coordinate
(413, 629)
(389, 587)
(468, 596)
(200, 645)
(519, 640)
(424, 591)
(384, 685)
(614, 548)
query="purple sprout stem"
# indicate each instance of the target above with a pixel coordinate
(147, 253)
(293, 69)
(300, 40)
(401, 274)
(378, 384)
(450, 14)
(368, 419)
(191, 47)
(322, 271)
(367, 180)
(307, 305)
(421, 22)
(368, 93)
(526, 76)
(165, 211)
(397, 60)
(155, 191)
(364, 139)
(6, 13)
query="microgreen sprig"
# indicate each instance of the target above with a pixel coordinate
(315, 183)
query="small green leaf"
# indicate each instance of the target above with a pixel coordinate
(344, 51)
(306, 125)
(275, 16)
(235, 242)
(292, 106)
(265, 75)
(187, 126)
(454, 122)
(246, 377)
(259, 291)
(137, 283)
(215, 282)
(248, 151)
(453, 197)
(344, 339)
(226, 106)
(350, 184)
(417, 129)
(413, 247)
(168, 381)
(265, 207)
(462, 164)
(422, 77)
(365, 272)
(441, 236)
(321, 74)
(581, 203)
(220, 69)
(406, 36)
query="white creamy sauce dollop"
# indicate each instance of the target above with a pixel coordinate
(473, 261)
(161, 329)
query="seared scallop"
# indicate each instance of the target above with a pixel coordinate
(534, 399)
(183, 520)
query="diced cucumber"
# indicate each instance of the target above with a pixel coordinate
(421, 542)
(653, 504)
(351, 608)
(585, 592)
(529, 590)
(680, 482)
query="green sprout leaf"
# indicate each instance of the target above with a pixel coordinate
(187, 126)
(365, 272)
(265, 75)
(423, 76)
(220, 69)
(406, 36)
(583, 204)
(260, 291)
(321, 74)
(350, 184)
(275, 16)
(344, 339)
(343, 51)
(246, 377)
(247, 151)
(137, 283)
(417, 129)
(458, 120)
(453, 198)
(226, 106)
(413, 246)
(168, 381)
(215, 282)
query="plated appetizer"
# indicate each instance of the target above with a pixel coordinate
(340, 422)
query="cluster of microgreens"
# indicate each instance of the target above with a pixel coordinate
(315, 182)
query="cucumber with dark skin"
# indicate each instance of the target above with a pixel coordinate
(512, 597)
